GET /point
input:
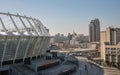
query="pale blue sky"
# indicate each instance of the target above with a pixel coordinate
(63, 16)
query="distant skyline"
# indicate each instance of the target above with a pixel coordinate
(63, 16)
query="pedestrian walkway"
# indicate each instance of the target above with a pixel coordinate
(111, 71)
(86, 68)
(108, 70)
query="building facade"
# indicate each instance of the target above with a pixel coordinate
(94, 31)
(110, 46)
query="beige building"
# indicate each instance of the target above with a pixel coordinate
(95, 45)
(110, 46)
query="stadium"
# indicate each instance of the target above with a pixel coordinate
(21, 38)
(24, 42)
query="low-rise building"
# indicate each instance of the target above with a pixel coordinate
(84, 45)
(112, 54)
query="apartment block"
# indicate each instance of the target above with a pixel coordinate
(110, 46)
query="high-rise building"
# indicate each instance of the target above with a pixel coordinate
(94, 30)
(110, 46)
(111, 36)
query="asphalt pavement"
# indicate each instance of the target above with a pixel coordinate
(86, 68)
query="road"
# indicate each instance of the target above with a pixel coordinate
(86, 68)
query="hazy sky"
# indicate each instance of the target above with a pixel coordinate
(63, 16)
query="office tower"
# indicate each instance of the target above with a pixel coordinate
(94, 30)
